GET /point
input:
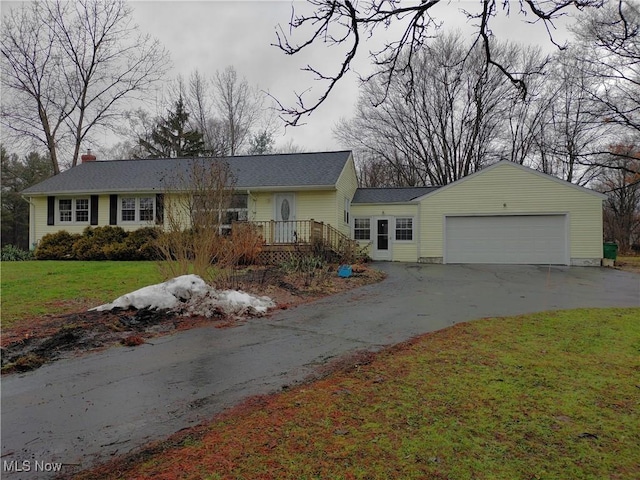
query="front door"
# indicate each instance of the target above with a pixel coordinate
(381, 239)
(285, 218)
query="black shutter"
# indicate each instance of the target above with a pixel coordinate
(51, 210)
(113, 209)
(94, 210)
(159, 209)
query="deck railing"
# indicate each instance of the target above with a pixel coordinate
(310, 232)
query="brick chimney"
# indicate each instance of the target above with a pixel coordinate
(88, 157)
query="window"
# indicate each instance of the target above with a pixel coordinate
(128, 209)
(238, 211)
(362, 229)
(82, 210)
(404, 229)
(65, 208)
(73, 210)
(146, 209)
(137, 209)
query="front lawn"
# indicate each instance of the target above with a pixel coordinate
(45, 287)
(549, 395)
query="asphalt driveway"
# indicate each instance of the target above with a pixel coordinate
(85, 410)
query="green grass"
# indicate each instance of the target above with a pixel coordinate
(50, 287)
(550, 395)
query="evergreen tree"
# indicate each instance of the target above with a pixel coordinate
(172, 138)
(261, 143)
(16, 176)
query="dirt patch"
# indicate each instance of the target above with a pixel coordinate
(36, 341)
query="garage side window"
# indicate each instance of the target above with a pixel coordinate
(404, 229)
(362, 229)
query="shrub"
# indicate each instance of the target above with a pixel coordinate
(12, 253)
(118, 251)
(100, 243)
(143, 242)
(91, 246)
(57, 246)
(306, 267)
(246, 244)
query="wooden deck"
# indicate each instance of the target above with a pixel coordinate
(299, 238)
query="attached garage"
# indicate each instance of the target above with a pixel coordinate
(508, 213)
(510, 239)
(505, 213)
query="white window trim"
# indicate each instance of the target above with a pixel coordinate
(354, 229)
(73, 220)
(137, 220)
(413, 229)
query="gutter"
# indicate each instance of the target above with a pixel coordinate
(277, 188)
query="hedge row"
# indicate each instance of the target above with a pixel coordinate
(100, 243)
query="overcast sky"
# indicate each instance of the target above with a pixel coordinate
(209, 35)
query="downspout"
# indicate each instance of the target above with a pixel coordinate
(32, 222)
(418, 232)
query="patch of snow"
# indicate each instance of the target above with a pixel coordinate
(191, 295)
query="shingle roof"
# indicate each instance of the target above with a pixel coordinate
(390, 195)
(252, 171)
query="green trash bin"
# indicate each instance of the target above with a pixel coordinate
(611, 250)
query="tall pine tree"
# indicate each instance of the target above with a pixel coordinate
(172, 137)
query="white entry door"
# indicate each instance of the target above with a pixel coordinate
(285, 216)
(382, 243)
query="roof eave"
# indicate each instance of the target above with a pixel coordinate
(410, 202)
(284, 188)
(278, 188)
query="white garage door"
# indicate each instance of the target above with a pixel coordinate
(523, 239)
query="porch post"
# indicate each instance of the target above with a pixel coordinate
(272, 228)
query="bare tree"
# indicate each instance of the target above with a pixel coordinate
(437, 127)
(526, 114)
(199, 98)
(610, 51)
(193, 208)
(571, 125)
(288, 147)
(347, 24)
(70, 67)
(239, 107)
(622, 186)
(225, 109)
